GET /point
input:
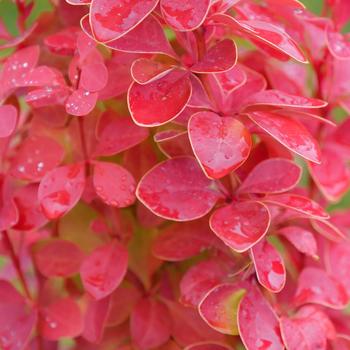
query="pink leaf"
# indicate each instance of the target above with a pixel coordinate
(60, 189)
(199, 97)
(19, 64)
(258, 323)
(273, 175)
(241, 225)
(306, 330)
(8, 120)
(221, 144)
(93, 77)
(150, 324)
(302, 239)
(62, 318)
(182, 241)
(114, 184)
(337, 44)
(184, 16)
(301, 204)
(159, 101)
(145, 71)
(147, 37)
(111, 19)
(269, 266)
(317, 287)
(219, 307)
(290, 133)
(332, 176)
(328, 230)
(104, 269)
(17, 318)
(116, 135)
(266, 34)
(219, 58)
(177, 189)
(95, 319)
(63, 42)
(33, 161)
(30, 214)
(199, 279)
(173, 143)
(282, 99)
(81, 102)
(231, 79)
(58, 258)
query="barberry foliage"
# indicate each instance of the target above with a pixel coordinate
(174, 175)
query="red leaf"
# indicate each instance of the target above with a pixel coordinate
(177, 189)
(17, 318)
(199, 97)
(332, 176)
(150, 324)
(19, 64)
(30, 214)
(301, 204)
(173, 143)
(219, 307)
(63, 42)
(241, 225)
(328, 230)
(188, 327)
(273, 175)
(219, 58)
(159, 101)
(317, 287)
(199, 279)
(184, 16)
(337, 44)
(305, 330)
(303, 240)
(58, 258)
(258, 323)
(81, 102)
(338, 263)
(62, 318)
(182, 241)
(114, 184)
(104, 269)
(111, 19)
(8, 120)
(145, 71)
(93, 77)
(221, 144)
(123, 300)
(269, 266)
(116, 135)
(95, 319)
(60, 190)
(231, 79)
(147, 37)
(265, 33)
(290, 133)
(33, 161)
(282, 99)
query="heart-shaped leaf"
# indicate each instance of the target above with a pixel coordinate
(241, 225)
(221, 144)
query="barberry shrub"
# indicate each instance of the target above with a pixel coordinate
(174, 175)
